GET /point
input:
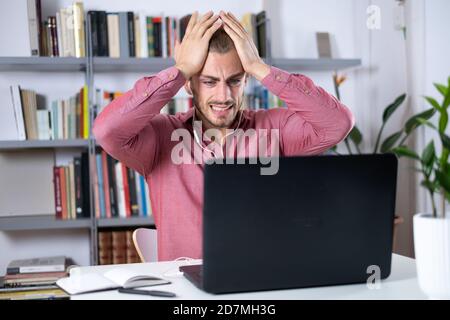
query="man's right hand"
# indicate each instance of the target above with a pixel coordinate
(191, 54)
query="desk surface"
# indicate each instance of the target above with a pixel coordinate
(401, 284)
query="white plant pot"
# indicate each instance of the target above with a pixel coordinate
(432, 249)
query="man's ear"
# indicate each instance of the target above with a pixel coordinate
(187, 87)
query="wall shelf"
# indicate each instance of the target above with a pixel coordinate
(41, 222)
(153, 64)
(126, 222)
(42, 144)
(32, 64)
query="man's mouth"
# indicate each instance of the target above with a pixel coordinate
(220, 110)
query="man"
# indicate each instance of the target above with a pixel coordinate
(213, 62)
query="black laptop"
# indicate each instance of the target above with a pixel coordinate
(319, 221)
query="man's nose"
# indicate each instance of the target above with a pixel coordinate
(223, 92)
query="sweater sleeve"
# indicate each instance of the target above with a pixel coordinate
(314, 120)
(130, 127)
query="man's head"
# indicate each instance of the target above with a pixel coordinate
(218, 88)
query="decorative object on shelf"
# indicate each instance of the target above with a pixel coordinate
(323, 45)
(432, 230)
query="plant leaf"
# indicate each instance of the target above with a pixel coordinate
(390, 141)
(441, 88)
(444, 180)
(428, 154)
(427, 123)
(433, 103)
(390, 109)
(445, 140)
(404, 151)
(355, 135)
(413, 123)
(443, 120)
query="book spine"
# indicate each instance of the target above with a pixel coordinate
(85, 184)
(123, 35)
(57, 188)
(78, 187)
(126, 190)
(33, 27)
(105, 247)
(133, 196)
(78, 24)
(102, 28)
(112, 186)
(119, 247)
(131, 34)
(92, 16)
(106, 184)
(98, 157)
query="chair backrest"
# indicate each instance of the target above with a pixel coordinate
(145, 242)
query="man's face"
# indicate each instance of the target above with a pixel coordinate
(218, 89)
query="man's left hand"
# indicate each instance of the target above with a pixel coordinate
(245, 47)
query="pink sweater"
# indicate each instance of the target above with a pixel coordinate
(132, 130)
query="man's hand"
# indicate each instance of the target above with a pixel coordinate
(191, 54)
(245, 47)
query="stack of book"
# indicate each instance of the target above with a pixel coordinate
(34, 279)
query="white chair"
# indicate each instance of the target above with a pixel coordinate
(146, 244)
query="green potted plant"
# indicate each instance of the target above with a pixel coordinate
(432, 230)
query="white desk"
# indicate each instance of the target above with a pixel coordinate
(401, 284)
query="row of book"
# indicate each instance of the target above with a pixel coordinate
(119, 191)
(65, 119)
(116, 247)
(34, 279)
(117, 34)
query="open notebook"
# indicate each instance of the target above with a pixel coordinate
(113, 279)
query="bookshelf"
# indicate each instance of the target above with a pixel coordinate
(90, 66)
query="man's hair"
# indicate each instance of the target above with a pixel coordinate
(220, 42)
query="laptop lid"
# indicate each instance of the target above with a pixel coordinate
(320, 220)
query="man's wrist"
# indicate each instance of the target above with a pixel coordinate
(260, 70)
(185, 74)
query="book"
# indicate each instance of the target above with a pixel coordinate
(44, 264)
(115, 278)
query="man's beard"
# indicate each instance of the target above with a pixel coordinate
(209, 122)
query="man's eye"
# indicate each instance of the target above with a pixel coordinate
(209, 83)
(235, 82)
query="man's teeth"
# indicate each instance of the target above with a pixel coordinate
(220, 108)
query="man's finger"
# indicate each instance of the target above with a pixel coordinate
(210, 31)
(191, 23)
(237, 22)
(230, 23)
(205, 25)
(233, 35)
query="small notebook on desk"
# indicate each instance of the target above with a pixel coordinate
(113, 279)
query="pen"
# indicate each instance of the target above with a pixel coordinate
(155, 293)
